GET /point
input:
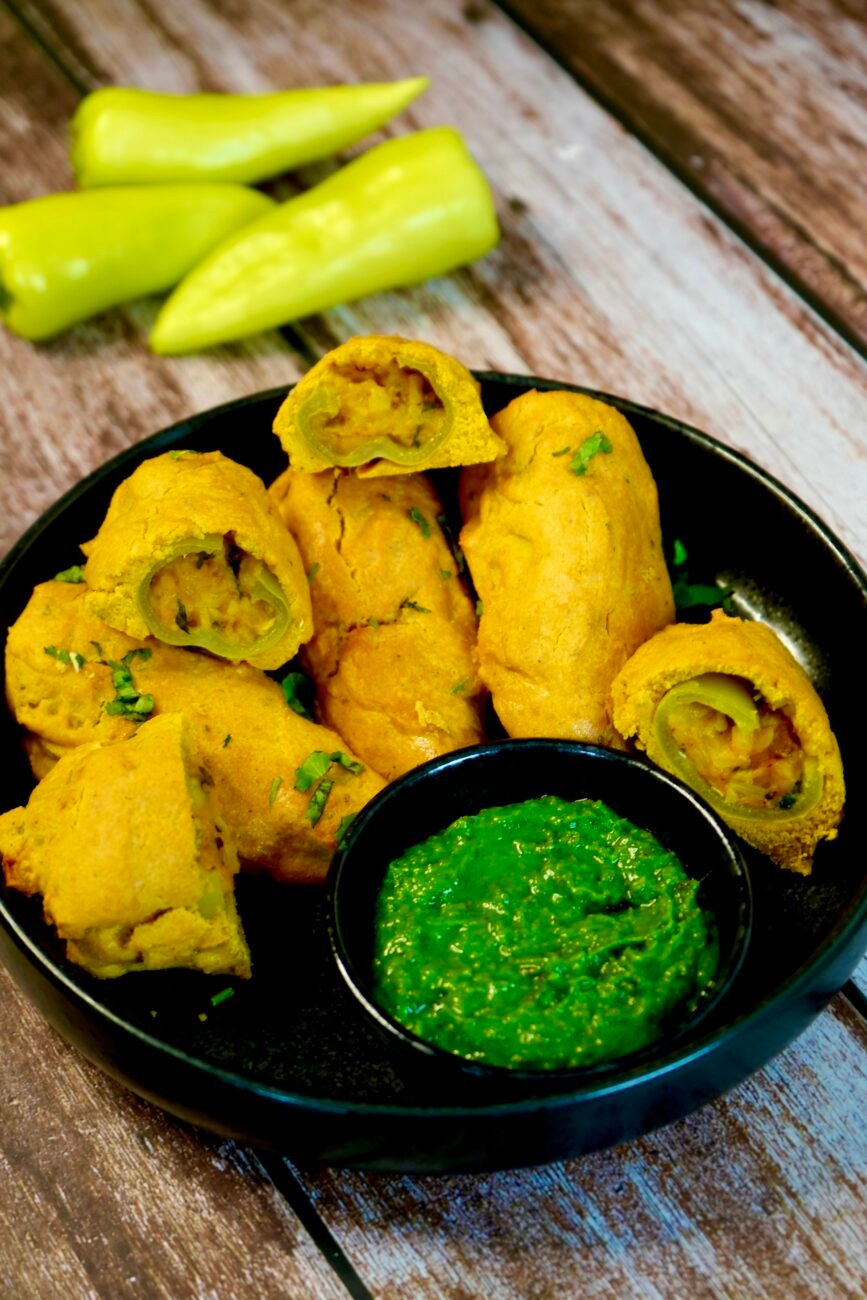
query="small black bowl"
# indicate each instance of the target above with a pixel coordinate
(433, 796)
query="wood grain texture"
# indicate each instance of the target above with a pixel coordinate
(102, 1195)
(760, 106)
(757, 1196)
(609, 273)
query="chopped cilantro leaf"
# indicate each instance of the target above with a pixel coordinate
(373, 622)
(413, 604)
(314, 766)
(678, 553)
(564, 451)
(178, 452)
(687, 595)
(275, 786)
(480, 608)
(312, 572)
(71, 658)
(73, 574)
(351, 764)
(418, 518)
(227, 740)
(292, 686)
(222, 996)
(445, 574)
(590, 447)
(459, 686)
(181, 617)
(788, 801)
(318, 800)
(130, 703)
(343, 829)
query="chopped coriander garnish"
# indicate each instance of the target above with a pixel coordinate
(275, 786)
(181, 617)
(343, 829)
(71, 658)
(480, 608)
(590, 447)
(318, 800)
(292, 685)
(788, 801)
(413, 604)
(73, 574)
(689, 594)
(227, 740)
(418, 518)
(314, 766)
(445, 574)
(678, 553)
(179, 452)
(222, 996)
(129, 702)
(373, 622)
(351, 764)
(564, 451)
(312, 572)
(459, 686)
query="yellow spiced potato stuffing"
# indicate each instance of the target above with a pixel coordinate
(394, 654)
(251, 741)
(727, 708)
(385, 406)
(562, 538)
(192, 552)
(132, 856)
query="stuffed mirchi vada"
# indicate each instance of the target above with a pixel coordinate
(562, 539)
(191, 551)
(385, 406)
(132, 856)
(251, 741)
(394, 653)
(726, 707)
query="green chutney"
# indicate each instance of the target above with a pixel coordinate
(542, 935)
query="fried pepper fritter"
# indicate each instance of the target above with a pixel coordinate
(248, 736)
(191, 551)
(562, 538)
(129, 849)
(394, 656)
(726, 707)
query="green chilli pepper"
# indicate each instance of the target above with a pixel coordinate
(411, 208)
(68, 256)
(133, 137)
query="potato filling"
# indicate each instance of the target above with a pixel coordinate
(747, 752)
(214, 591)
(360, 405)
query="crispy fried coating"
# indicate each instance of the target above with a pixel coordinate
(385, 406)
(562, 538)
(131, 854)
(777, 776)
(394, 654)
(191, 551)
(247, 734)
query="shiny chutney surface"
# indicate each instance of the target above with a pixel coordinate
(543, 935)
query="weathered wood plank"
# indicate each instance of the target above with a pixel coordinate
(760, 106)
(758, 1195)
(102, 1195)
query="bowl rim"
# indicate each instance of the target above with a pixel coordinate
(789, 992)
(343, 864)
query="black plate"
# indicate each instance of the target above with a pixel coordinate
(289, 1061)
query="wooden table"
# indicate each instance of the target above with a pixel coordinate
(682, 190)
